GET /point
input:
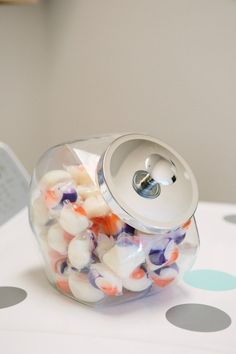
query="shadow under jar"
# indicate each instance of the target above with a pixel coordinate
(114, 217)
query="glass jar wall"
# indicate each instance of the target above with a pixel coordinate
(90, 253)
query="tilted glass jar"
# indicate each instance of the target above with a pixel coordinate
(114, 217)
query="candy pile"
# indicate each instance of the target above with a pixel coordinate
(90, 252)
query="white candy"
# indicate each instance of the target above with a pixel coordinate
(79, 174)
(55, 213)
(56, 239)
(123, 260)
(104, 244)
(87, 191)
(40, 211)
(137, 284)
(105, 279)
(79, 251)
(168, 272)
(83, 290)
(54, 177)
(95, 206)
(72, 222)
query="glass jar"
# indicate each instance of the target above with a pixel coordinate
(114, 217)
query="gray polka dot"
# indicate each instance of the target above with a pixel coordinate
(198, 317)
(230, 218)
(10, 296)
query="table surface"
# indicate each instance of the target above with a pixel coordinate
(47, 322)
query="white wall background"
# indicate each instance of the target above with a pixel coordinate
(165, 67)
(22, 80)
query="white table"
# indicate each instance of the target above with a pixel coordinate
(47, 322)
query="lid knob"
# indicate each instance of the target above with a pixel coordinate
(159, 171)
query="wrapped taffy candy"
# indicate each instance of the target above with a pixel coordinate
(114, 217)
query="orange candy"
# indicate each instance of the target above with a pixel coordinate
(78, 209)
(63, 285)
(109, 225)
(138, 273)
(187, 224)
(174, 256)
(162, 282)
(51, 198)
(109, 291)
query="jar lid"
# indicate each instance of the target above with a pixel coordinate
(147, 183)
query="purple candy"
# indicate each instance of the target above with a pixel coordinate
(84, 270)
(157, 257)
(128, 229)
(62, 267)
(124, 241)
(178, 236)
(70, 195)
(93, 238)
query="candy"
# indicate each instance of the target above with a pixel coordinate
(162, 252)
(79, 250)
(55, 259)
(95, 206)
(56, 239)
(138, 273)
(109, 225)
(164, 276)
(55, 213)
(69, 194)
(104, 244)
(124, 257)
(171, 252)
(61, 267)
(156, 253)
(128, 229)
(52, 197)
(40, 211)
(63, 285)
(68, 237)
(187, 224)
(82, 290)
(138, 281)
(73, 219)
(79, 174)
(87, 191)
(157, 257)
(51, 178)
(178, 235)
(104, 279)
(59, 194)
(62, 272)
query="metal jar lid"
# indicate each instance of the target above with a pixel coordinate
(147, 183)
